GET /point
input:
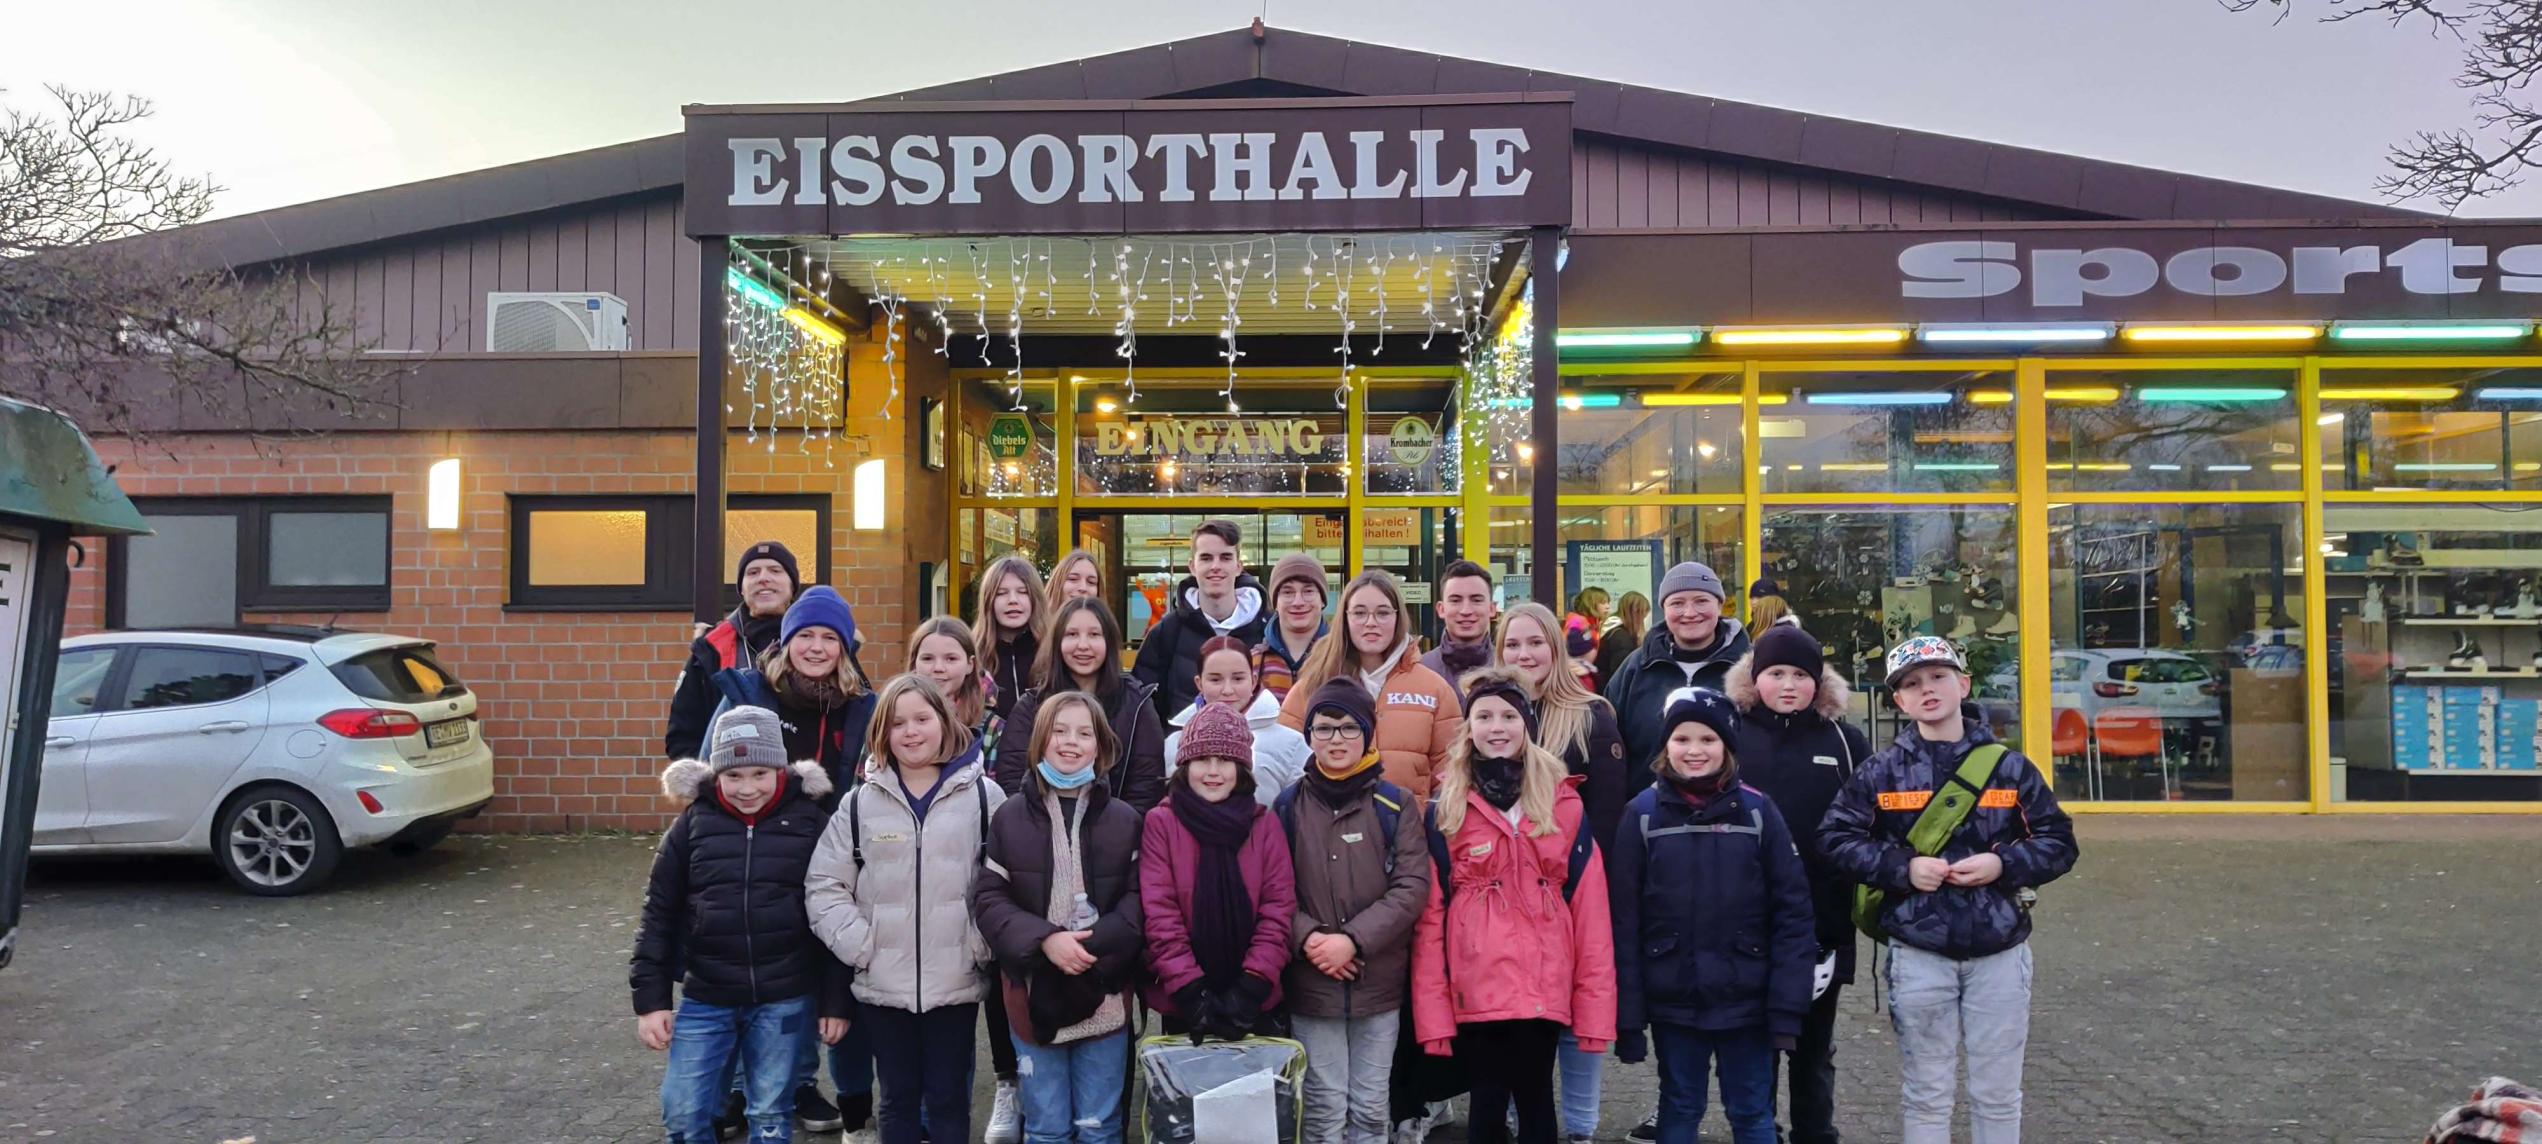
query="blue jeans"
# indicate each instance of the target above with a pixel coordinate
(1579, 1086)
(1745, 1059)
(1072, 1092)
(706, 1040)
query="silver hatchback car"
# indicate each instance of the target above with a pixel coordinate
(272, 749)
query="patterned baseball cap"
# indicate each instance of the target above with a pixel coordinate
(1918, 651)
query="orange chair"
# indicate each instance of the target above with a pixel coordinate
(2127, 733)
(2070, 738)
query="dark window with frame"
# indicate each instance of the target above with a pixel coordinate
(211, 558)
(634, 553)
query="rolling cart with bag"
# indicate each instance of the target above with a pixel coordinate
(1251, 1091)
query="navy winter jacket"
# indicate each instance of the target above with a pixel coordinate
(1801, 761)
(723, 911)
(1713, 928)
(1640, 689)
(1865, 835)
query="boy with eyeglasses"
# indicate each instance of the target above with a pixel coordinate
(1363, 876)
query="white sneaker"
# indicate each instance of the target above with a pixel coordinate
(866, 1135)
(1417, 1130)
(1006, 1125)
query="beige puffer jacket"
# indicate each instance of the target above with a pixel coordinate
(903, 921)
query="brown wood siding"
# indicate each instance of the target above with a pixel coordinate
(428, 295)
(1621, 186)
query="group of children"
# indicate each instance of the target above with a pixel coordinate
(1278, 873)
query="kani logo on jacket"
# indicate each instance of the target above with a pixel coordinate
(1412, 699)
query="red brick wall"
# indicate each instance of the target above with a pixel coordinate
(573, 702)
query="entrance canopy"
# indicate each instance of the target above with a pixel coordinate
(1039, 235)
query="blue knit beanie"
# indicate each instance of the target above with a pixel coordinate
(820, 606)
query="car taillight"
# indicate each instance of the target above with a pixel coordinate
(369, 803)
(2113, 690)
(366, 723)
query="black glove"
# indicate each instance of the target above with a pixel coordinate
(1187, 1001)
(1245, 998)
(1632, 1046)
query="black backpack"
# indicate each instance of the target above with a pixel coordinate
(1388, 797)
(1583, 844)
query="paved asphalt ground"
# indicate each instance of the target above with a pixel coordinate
(2199, 978)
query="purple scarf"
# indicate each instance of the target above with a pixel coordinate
(1221, 910)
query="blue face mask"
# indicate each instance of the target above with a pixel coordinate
(1057, 779)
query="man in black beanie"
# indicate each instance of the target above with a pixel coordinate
(768, 579)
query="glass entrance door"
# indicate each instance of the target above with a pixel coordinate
(1146, 554)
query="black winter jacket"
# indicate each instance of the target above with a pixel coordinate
(835, 738)
(1137, 776)
(723, 912)
(1712, 915)
(1601, 762)
(1639, 690)
(735, 642)
(1014, 674)
(1169, 661)
(2017, 818)
(1010, 901)
(1801, 761)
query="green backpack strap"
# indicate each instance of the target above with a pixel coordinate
(1934, 825)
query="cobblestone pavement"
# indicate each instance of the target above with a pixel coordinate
(2199, 978)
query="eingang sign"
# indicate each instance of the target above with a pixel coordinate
(1162, 167)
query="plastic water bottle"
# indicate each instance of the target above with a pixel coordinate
(1082, 915)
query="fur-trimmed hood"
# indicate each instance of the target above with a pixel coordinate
(1833, 692)
(685, 778)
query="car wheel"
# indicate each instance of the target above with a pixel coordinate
(276, 841)
(420, 841)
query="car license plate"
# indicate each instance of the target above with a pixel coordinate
(449, 733)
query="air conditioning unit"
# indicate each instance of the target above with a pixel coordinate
(522, 323)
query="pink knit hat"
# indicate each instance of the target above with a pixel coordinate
(1216, 731)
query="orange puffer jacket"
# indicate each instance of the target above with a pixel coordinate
(1418, 718)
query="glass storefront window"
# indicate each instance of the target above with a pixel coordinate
(1411, 443)
(1886, 431)
(2176, 666)
(1861, 580)
(1008, 442)
(2431, 428)
(2436, 651)
(1287, 441)
(1414, 544)
(1607, 543)
(2208, 430)
(1642, 435)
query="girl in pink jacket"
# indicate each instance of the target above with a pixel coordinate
(1515, 944)
(1216, 886)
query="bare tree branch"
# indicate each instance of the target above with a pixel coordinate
(107, 317)
(2502, 56)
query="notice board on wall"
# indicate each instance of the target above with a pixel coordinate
(1619, 566)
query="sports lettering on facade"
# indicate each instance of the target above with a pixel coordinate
(2071, 276)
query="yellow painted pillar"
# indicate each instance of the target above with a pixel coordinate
(2316, 595)
(2030, 526)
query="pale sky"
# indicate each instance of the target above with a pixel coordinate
(285, 101)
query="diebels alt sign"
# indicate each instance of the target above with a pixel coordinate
(1091, 168)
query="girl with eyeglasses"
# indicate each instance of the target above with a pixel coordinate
(1418, 715)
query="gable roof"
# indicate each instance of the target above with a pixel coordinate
(1271, 61)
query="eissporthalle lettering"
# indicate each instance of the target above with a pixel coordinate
(858, 170)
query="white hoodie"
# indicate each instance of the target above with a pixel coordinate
(1280, 755)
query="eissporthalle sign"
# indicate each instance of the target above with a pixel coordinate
(1221, 165)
